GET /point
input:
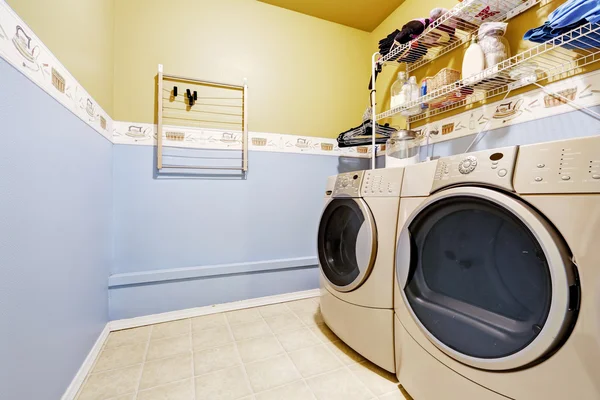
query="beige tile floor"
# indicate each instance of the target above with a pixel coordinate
(281, 351)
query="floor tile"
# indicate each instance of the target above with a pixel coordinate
(298, 339)
(325, 334)
(393, 396)
(270, 373)
(345, 353)
(206, 339)
(120, 357)
(105, 385)
(128, 336)
(314, 360)
(166, 370)
(305, 305)
(211, 321)
(243, 316)
(227, 384)
(338, 385)
(259, 348)
(250, 330)
(376, 379)
(169, 347)
(130, 396)
(170, 329)
(215, 359)
(182, 390)
(273, 310)
(284, 322)
(311, 318)
(293, 391)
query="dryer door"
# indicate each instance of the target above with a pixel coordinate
(487, 279)
(347, 243)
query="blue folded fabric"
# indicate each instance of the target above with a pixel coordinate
(570, 15)
(574, 11)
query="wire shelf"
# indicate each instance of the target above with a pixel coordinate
(563, 54)
(453, 29)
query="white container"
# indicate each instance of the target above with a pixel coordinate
(473, 62)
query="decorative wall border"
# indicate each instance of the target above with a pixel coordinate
(134, 133)
(20, 47)
(536, 104)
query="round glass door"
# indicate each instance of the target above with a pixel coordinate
(480, 281)
(346, 243)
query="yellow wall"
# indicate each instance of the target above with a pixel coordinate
(306, 76)
(80, 34)
(411, 9)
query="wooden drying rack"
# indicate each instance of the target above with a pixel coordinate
(243, 88)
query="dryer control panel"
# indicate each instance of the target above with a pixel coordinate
(348, 184)
(566, 166)
(384, 182)
(488, 167)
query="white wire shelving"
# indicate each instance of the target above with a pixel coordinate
(566, 53)
(453, 29)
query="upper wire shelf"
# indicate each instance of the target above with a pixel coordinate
(565, 53)
(453, 29)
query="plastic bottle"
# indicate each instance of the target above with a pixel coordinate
(397, 99)
(411, 92)
(474, 61)
(424, 92)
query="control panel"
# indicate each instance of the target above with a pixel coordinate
(385, 182)
(488, 167)
(566, 166)
(348, 184)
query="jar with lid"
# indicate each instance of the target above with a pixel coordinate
(494, 45)
(402, 149)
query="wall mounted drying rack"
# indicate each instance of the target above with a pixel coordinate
(186, 112)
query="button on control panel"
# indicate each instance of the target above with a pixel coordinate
(567, 166)
(385, 182)
(488, 167)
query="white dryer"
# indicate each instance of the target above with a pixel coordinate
(498, 275)
(356, 243)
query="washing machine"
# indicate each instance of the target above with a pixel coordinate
(356, 245)
(498, 275)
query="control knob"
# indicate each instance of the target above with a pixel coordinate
(467, 165)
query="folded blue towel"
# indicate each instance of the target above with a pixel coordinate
(574, 11)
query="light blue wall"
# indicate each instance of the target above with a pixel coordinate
(165, 223)
(55, 240)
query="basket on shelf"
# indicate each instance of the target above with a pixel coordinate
(326, 146)
(257, 141)
(445, 77)
(555, 101)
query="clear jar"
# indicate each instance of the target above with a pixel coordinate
(494, 45)
(397, 96)
(402, 149)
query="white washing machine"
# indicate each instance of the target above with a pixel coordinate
(498, 275)
(356, 247)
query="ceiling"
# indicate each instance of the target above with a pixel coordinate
(361, 14)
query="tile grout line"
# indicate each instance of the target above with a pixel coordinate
(137, 390)
(237, 350)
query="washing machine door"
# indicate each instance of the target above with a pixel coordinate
(347, 243)
(487, 278)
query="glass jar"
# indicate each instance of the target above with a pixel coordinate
(494, 45)
(402, 149)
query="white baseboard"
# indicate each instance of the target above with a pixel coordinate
(87, 365)
(213, 309)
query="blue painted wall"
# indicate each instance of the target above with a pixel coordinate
(55, 240)
(169, 222)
